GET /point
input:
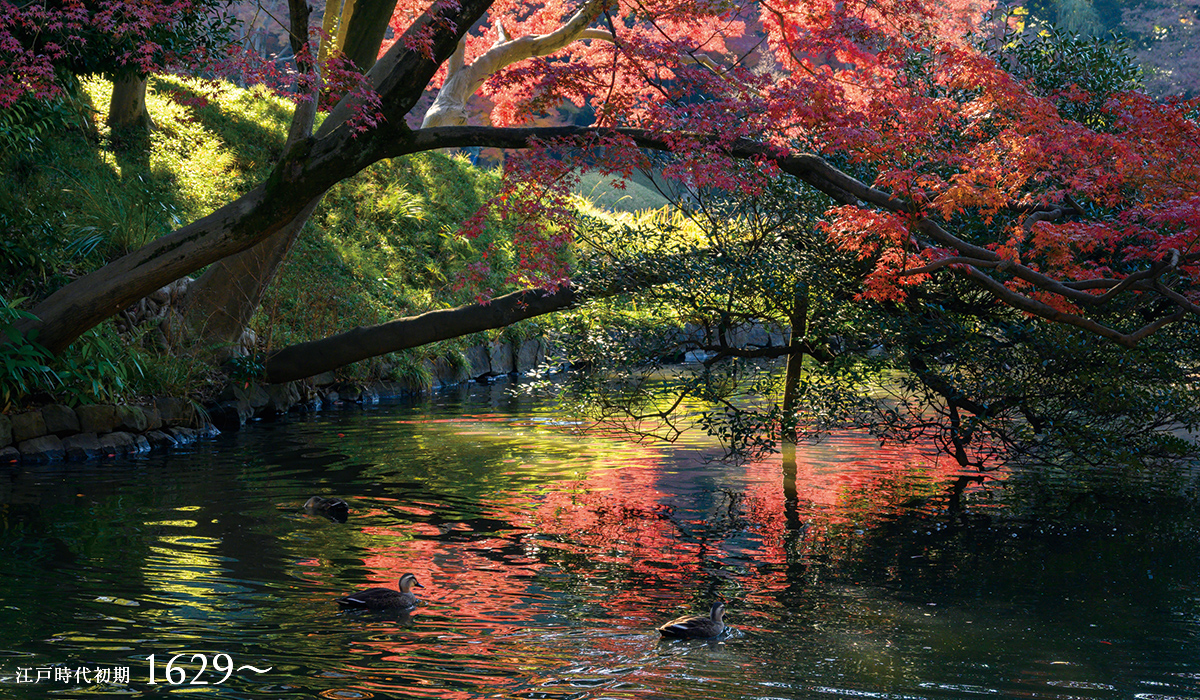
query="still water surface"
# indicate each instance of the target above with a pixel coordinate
(548, 558)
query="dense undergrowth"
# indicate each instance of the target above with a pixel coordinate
(73, 197)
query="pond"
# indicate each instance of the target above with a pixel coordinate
(548, 557)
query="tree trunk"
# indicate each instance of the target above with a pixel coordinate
(310, 167)
(356, 29)
(127, 108)
(219, 306)
(795, 364)
(331, 23)
(222, 302)
(337, 152)
(364, 23)
(304, 173)
(791, 394)
(307, 359)
(449, 107)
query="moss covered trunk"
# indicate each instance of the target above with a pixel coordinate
(127, 107)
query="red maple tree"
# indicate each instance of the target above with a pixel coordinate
(940, 161)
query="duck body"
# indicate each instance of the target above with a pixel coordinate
(696, 626)
(334, 508)
(383, 598)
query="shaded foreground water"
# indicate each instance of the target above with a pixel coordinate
(548, 558)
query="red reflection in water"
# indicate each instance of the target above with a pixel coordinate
(644, 532)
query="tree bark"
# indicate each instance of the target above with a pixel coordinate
(127, 107)
(356, 29)
(220, 305)
(224, 299)
(308, 169)
(307, 359)
(304, 173)
(364, 24)
(449, 107)
(795, 365)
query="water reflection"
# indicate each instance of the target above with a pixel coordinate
(548, 558)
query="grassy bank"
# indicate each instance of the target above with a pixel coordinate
(74, 197)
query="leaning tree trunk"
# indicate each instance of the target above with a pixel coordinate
(127, 108)
(313, 357)
(304, 172)
(221, 304)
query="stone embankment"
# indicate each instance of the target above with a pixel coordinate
(57, 433)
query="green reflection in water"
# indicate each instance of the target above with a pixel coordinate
(549, 557)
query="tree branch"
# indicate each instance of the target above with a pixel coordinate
(310, 167)
(306, 359)
(449, 108)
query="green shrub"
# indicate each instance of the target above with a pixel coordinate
(24, 364)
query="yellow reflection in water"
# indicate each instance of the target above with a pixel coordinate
(183, 567)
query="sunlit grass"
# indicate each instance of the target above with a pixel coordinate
(382, 245)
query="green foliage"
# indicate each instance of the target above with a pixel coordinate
(411, 368)
(246, 368)
(99, 368)
(990, 386)
(641, 194)
(948, 368)
(21, 257)
(24, 365)
(397, 222)
(77, 203)
(28, 125)
(124, 223)
(739, 271)
(1079, 72)
(382, 245)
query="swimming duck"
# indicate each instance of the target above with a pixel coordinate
(383, 598)
(696, 626)
(334, 508)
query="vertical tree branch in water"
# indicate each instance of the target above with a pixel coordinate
(791, 390)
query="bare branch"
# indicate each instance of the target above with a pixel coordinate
(449, 108)
(1037, 216)
(1037, 308)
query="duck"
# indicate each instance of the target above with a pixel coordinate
(696, 626)
(383, 598)
(333, 508)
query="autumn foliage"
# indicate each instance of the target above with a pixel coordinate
(940, 157)
(1060, 197)
(40, 39)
